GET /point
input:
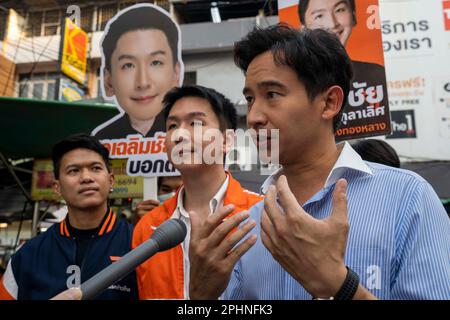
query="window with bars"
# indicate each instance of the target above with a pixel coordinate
(87, 18)
(39, 86)
(46, 23)
(51, 22)
(106, 12)
(34, 24)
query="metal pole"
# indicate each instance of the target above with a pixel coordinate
(34, 225)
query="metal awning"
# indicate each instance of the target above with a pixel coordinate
(31, 127)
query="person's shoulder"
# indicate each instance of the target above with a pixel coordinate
(113, 128)
(379, 168)
(124, 225)
(37, 243)
(394, 175)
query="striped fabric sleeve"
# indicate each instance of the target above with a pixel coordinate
(423, 249)
(8, 285)
(234, 288)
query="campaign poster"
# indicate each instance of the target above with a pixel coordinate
(416, 41)
(141, 61)
(357, 24)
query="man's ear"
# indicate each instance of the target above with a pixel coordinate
(176, 75)
(111, 179)
(333, 99)
(56, 187)
(107, 83)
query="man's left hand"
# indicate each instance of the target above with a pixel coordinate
(312, 251)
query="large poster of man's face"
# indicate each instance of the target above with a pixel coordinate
(357, 25)
(141, 62)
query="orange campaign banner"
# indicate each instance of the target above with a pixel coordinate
(358, 26)
(446, 7)
(74, 46)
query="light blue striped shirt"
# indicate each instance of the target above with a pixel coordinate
(399, 240)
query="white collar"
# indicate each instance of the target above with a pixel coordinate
(213, 203)
(348, 159)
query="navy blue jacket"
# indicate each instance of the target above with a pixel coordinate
(45, 265)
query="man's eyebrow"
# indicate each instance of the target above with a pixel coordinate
(173, 118)
(132, 57)
(271, 83)
(265, 84)
(341, 2)
(189, 115)
(317, 11)
(89, 164)
(246, 90)
(323, 9)
(126, 56)
(196, 114)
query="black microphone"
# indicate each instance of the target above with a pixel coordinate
(166, 236)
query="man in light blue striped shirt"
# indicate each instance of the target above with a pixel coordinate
(331, 225)
(398, 244)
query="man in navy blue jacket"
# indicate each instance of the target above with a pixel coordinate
(87, 241)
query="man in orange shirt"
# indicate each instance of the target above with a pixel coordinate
(192, 114)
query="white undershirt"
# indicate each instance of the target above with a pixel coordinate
(181, 213)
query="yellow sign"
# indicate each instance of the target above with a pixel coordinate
(42, 179)
(125, 186)
(74, 52)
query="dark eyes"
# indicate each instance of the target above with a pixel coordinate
(127, 65)
(272, 94)
(193, 124)
(130, 65)
(156, 63)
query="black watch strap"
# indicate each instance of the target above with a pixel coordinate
(349, 287)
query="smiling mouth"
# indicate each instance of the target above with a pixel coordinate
(88, 191)
(144, 99)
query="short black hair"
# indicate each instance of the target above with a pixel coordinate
(221, 105)
(139, 18)
(378, 151)
(317, 57)
(303, 6)
(77, 141)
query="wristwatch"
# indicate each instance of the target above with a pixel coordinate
(348, 288)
